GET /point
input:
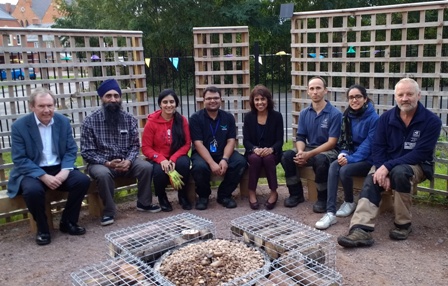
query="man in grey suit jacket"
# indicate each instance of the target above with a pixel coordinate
(44, 152)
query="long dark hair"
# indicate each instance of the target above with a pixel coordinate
(178, 133)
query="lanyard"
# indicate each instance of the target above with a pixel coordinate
(214, 130)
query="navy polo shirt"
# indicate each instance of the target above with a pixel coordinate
(315, 129)
(202, 127)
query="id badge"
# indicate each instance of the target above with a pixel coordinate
(212, 147)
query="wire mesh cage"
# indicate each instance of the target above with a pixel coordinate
(150, 240)
(294, 268)
(218, 261)
(123, 270)
(278, 235)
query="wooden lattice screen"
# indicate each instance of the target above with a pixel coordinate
(374, 47)
(221, 56)
(72, 63)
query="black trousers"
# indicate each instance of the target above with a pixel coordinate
(33, 192)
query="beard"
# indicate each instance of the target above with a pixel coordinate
(112, 113)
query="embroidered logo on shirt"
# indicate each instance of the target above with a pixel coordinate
(224, 127)
(415, 135)
(324, 123)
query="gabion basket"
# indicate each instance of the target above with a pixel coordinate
(294, 268)
(278, 235)
(122, 270)
(150, 240)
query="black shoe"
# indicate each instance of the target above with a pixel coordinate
(293, 201)
(151, 208)
(185, 203)
(320, 207)
(43, 238)
(165, 204)
(107, 220)
(227, 202)
(202, 204)
(71, 228)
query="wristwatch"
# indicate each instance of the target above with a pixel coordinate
(225, 159)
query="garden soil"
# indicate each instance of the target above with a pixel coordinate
(420, 260)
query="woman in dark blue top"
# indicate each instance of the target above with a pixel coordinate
(355, 148)
(263, 140)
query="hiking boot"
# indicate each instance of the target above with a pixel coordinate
(293, 201)
(202, 204)
(227, 202)
(400, 233)
(326, 221)
(320, 207)
(356, 237)
(346, 209)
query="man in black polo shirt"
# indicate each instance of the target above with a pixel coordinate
(213, 133)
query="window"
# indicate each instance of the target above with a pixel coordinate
(10, 40)
(19, 40)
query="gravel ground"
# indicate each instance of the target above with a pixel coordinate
(420, 260)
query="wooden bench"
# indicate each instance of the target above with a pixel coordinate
(56, 197)
(307, 175)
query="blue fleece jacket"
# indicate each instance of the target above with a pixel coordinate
(395, 144)
(363, 130)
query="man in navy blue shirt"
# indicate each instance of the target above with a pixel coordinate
(213, 133)
(317, 134)
(403, 152)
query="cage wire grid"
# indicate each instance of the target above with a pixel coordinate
(297, 254)
(150, 240)
(277, 234)
(123, 270)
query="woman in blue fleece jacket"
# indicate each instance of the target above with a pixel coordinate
(358, 127)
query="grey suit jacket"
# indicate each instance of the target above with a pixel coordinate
(26, 148)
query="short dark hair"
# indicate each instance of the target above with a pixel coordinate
(318, 77)
(264, 92)
(212, 89)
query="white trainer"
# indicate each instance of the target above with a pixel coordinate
(326, 221)
(346, 209)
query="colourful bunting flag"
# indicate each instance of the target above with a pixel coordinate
(175, 62)
(147, 61)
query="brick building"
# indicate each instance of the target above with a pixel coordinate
(28, 13)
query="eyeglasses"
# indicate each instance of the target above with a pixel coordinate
(357, 97)
(212, 98)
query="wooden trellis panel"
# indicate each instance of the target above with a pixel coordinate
(221, 56)
(374, 47)
(72, 63)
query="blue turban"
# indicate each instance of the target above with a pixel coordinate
(108, 84)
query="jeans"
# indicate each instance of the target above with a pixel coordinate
(345, 174)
